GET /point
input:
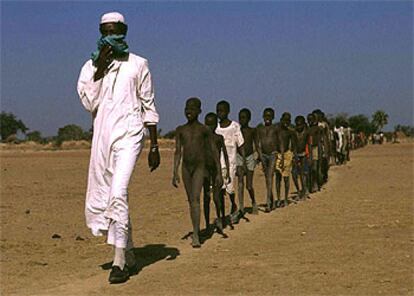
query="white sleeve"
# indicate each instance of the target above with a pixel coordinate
(146, 95)
(239, 136)
(88, 89)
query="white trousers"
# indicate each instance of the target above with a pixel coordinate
(120, 229)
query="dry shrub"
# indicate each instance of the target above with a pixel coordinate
(69, 145)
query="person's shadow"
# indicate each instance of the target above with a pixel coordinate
(148, 255)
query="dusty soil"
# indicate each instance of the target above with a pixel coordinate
(355, 237)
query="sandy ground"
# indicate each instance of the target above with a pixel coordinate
(355, 237)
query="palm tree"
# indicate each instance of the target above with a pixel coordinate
(379, 119)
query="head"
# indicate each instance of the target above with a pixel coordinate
(300, 123)
(211, 121)
(338, 123)
(244, 117)
(223, 110)
(286, 119)
(192, 109)
(268, 116)
(311, 119)
(113, 23)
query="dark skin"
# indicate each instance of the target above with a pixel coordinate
(192, 140)
(222, 114)
(104, 60)
(269, 138)
(212, 171)
(300, 158)
(325, 147)
(314, 138)
(287, 143)
(250, 144)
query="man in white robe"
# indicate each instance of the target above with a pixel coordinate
(116, 87)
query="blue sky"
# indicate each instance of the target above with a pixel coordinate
(353, 57)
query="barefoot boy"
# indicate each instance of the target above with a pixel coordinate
(314, 152)
(246, 169)
(195, 141)
(268, 138)
(300, 170)
(284, 157)
(212, 172)
(234, 141)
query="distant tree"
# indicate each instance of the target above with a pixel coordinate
(339, 118)
(379, 119)
(71, 132)
(170, 135)
(10, 125)
(159, 131)
(34, 136)
(406, 129)
(360, 123)
(87, 135)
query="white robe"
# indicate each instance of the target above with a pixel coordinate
(121, 103)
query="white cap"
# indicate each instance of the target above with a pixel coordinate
(112, 17)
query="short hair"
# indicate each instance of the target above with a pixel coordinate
(247, 111)
(211, 115)
(286, 115)
(269, 110)
(194, 100)
(299, 118)
(225, 104)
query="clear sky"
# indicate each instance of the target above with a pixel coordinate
(354, 57)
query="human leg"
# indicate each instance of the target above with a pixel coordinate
(194, 203)
(240, 186)
(206, 199)
(250, 189)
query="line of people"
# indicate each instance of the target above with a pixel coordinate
(214, 154)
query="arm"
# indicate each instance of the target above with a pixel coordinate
(256, 145)
(150, 114)
(89, 89)
(90, 79)
(154, 154)
(177, 158)
(226, 157)
(240, 146)
(216, 158)
(282, 149)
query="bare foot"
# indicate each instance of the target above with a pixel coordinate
(255, 209)
(196, 241)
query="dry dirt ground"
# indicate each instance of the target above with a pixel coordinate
(355, 237)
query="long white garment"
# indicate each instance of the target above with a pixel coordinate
(233, 138)
(340, 142)
(121, 102)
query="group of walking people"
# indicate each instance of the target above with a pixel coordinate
(116, 87)
(221, 153)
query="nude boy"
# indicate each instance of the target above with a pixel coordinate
(314, 139)
(193, 141)
(211, 174)
(268, 138)
(300, 164)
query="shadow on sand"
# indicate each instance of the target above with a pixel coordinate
(205, 234)
(148, 255)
